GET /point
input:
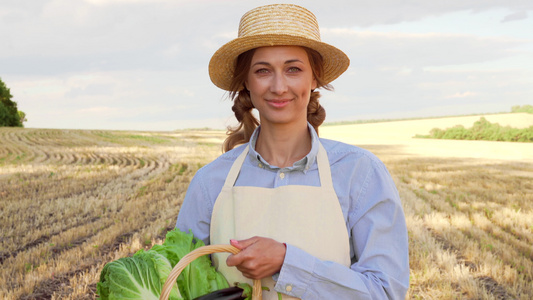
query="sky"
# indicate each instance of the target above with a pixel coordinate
(143, 64)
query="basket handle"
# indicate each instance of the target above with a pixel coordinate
(165, 292)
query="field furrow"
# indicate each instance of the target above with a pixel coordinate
(71, 200)
(476, 216)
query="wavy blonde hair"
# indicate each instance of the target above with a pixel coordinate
(242, 103)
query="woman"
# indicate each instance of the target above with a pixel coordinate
(314, 218)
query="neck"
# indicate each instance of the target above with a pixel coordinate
(283, 145)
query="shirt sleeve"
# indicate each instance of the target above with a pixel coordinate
(195, 212)
(378, 233)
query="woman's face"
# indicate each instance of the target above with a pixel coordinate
(280, 81)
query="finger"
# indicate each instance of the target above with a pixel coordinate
(234, 260)
(243, 244)
(236, 244)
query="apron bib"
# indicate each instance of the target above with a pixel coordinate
(307, 217)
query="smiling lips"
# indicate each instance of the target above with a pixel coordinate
(278, 103)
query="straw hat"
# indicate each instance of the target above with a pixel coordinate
(276, 25)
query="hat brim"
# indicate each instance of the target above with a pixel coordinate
(222, 64)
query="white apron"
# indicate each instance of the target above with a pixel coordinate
(307, 217)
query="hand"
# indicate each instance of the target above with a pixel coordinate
(260, 257)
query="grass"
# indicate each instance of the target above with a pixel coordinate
(72, 200)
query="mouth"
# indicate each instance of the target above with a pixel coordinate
(278, 103)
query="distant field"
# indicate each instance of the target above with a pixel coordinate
(72, 200)
(400, 135)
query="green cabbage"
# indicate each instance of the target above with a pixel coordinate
(143, 275)
(163, 267)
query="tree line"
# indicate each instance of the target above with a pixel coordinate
(482, 130)
(9, 113)
(524, 108)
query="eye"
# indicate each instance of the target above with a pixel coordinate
(261, 71)
(294, 69)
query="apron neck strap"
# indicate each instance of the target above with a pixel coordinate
(235, 169)
(324, 170)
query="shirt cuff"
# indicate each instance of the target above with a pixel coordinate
(296, 272)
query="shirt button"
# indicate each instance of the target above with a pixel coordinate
(288, 287)
(260, 165)
(282, 175)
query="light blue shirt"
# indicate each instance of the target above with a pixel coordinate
(370, 205)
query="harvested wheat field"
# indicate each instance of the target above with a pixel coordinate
(72, 200)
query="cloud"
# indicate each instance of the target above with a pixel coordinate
(98, 110)
(111, 2)
(364, 13)
(95, 89)
(72, 36)
(369, 49)
(462, 95)
(382, 91)
(521, 15)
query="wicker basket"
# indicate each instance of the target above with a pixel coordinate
(165, 292)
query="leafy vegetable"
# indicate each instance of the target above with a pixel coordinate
(143, 275)
(130, 278)
(163, 268)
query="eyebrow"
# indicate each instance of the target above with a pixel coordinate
(286, 62)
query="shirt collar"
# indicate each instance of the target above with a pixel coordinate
(302, 165)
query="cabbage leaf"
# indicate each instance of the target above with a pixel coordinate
(129, 278)
(143, 275)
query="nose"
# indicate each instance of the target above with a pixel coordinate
(279, 84)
